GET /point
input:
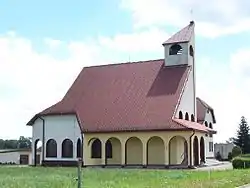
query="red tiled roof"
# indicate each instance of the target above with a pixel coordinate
(202, 108)
(194, 125)
(183, 35)
(124, 97)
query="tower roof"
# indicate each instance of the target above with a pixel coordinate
(184, 35)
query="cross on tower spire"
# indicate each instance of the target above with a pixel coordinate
(191, 15)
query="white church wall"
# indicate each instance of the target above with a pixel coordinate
(209, 137)
(187, 103)
(58, 128)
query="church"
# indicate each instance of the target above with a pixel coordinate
(143, 114)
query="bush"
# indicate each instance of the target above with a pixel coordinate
(236, 151)
(241, 162)
(246, 155)
(218, 156)
(230, 156)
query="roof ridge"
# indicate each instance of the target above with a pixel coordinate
(124, 63)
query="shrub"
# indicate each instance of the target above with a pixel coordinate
(218, 156)
(236, 151)
(230, 156)
(246, 155)
(241, 162)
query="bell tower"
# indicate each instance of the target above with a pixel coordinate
(180, 48)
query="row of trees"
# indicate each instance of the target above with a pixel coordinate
(22, 142)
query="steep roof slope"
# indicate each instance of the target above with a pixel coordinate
(124, 97)
(184, 35)
(202, 108)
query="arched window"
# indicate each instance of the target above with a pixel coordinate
(210, 125)
(36, 154)
(191, 51)
(180, 115)
(206, 124)
(96, 149)
(192, 118)
(108, 149)
(175, 49)
(67, 149)
(79, 148)
(186, 116)
(51, 148)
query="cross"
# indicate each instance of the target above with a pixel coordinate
(191, 14)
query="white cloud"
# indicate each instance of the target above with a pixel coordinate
(225, 86)
(240, 62)
(39, 80)
(52, 43)
(147, 41)
(212, 30)
(213, 19)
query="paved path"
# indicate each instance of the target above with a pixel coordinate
(244, 186)
(224, 166)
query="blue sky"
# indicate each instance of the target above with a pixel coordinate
(82, 20)
(65, 20)
(45, 45)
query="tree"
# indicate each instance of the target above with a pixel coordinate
(236, 151)
(10, 144)
(24, 142)
(230, 156)
(243, 139)
(1, 143)
(218, 156)
(230, 140)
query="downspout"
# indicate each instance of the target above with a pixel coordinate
(194, 82)
(43, 140)
(82, 148)
(190, 152)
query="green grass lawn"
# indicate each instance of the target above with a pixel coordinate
(38, 177)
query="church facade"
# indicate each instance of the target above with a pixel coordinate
(131, 114)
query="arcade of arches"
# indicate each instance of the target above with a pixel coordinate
(51, 149)
(144, 149)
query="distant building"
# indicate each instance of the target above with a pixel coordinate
(18, 156)
(224, 149)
